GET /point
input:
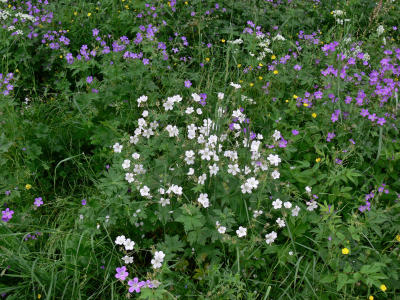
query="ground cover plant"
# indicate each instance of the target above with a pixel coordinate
(199, 149)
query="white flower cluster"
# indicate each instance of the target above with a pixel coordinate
(127, 243)
(158, 259)
(338, 15)
(224, 148)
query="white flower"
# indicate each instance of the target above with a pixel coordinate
(308, 189)
(117, 148)
(196, 97)
(129, 177)
(202, 179)
(127, 259)
(277, 204)
(168, 105)
(120, 240)
(235, 85)
(126, 164)
(129, 244)
(190, 172)
(281, 223)
(276, 135)
(145, 191)
(275, 174)
(254, 146)
(295, 211)
(221, 96)
(311, 205)
(380, 30)
(172, 130)
(156, 264)
(203, 200)
(199, 111)
(270, 237)
(274, 159)
(287, 204)
(233, 169)
(135, 155)
(213, 169)
(145, 113)
(257, 213)
(159, 255)
(221, 229)
(141, 99)
(164, 201)
(241, 232)
(189, 110)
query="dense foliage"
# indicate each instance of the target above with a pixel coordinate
(199, 149)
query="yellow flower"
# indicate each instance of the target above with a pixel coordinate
(276, 72)
(295, 97)
(39, 296)
(273, 57)
(75, 13)
(16, 70)
(223, 40)
(260, 64)
(314, 115)
(345, 251)
(28, 186)
(398, 237)
(260, 77)
(239, 65)
(240, 80)
(186, 3)
(305, 104)
(371, 298)
(207, 59)
(318, 159)
(286, 101)
(383, 288)
(251, 84)
(61, 56)
(89, 14)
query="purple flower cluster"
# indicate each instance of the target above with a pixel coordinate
(7, 215)
(5, 83)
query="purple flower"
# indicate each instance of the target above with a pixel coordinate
(381, 121)
(295, 132)
(330, 136)
(95, 32)
(372, 117)
(188, 84)
(364, 112)
(89, 79)
(121, 273)
(7, 193)
(135, 285)
(38, 201)
(7, 215)
(83, 202)
(297, 67)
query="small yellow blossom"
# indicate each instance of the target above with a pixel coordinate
(295, 97)
(251, 84)
(240, 80)
(383, 288)
(207, 59)
(276, 72)
(239, 65)
(89, 14)
(75, 13)
(16, 70)
(398, 237)
(345, 251)
(39, 296)
(61, 56)
(273, 57)
(223, 40)
(286, 101)
(371, 298)
(28, 186)
(260, 77)
(305, 104)
(186, 3)
(314, 115)
(260, 64)
(318, 159)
